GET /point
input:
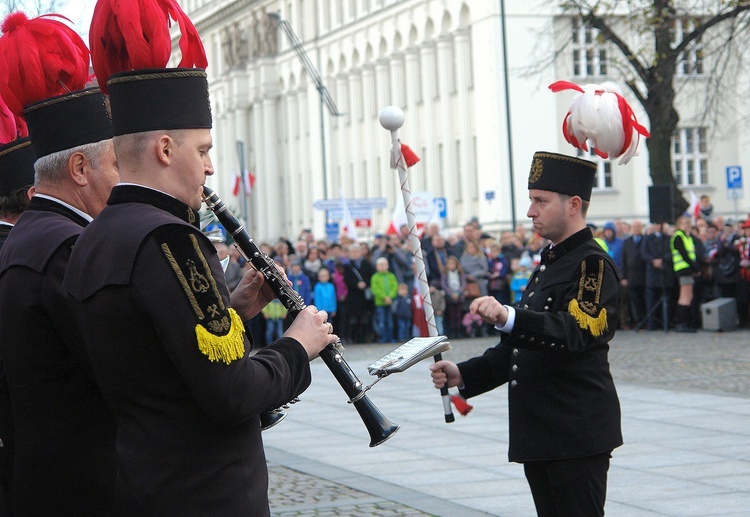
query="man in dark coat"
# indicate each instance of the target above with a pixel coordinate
(16, 187)
(634, 273)
(564, 413)
(166, 340)
(65, 448)
(660, 278)
(357, 274)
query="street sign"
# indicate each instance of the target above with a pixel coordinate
(337, 214)
(489, 195)
(441, 206)
(363, 223)
(734, 177)
(352, 203)
(735, 193)
(332, 231)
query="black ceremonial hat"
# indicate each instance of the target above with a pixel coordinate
(67, 121)
(16, 165)
(159, 99)
(563, 174)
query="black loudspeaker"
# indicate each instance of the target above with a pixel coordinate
(661, 204)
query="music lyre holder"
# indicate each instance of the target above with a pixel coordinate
(406, 356)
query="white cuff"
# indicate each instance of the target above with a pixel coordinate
(510, 322)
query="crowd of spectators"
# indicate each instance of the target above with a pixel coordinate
(369, 289)
(649, 285)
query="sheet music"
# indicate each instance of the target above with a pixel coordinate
(409, 354)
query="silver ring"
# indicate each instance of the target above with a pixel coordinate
(330, 327)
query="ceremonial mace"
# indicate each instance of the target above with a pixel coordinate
(392, 118)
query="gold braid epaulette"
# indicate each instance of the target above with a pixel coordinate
(585, 307)
(219, 330)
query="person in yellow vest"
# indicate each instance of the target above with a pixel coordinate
(600, 240)
(685, 266)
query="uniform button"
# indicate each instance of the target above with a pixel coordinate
(541, 342)
(515, 352)
(531, 294)
(531, 339)
(551, 345)
(515, 368)
(546, 307)
(525, 305)
(549, 299)
(513, 384)
(536, 280)
(522, 336)
(542, 267)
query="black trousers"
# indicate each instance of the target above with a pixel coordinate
(566, 488)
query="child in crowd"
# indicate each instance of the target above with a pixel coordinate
(324, 294)
(402, 312)
(454, 285)
(499, 274)
(522, 272)
(437, 296)
(274, 314)
(341, 321)
(473, 324)
(384, 286)
(300, 282)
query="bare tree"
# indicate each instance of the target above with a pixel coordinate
(650, 52)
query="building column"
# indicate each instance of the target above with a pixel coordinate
(454, 176)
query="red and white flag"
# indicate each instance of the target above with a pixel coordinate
(695, 206)
(247, 179)
(348, 226)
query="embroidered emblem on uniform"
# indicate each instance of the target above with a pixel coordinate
(198, 282)
(537, 167)
(191, 215)
(219, 330)
(585, 307)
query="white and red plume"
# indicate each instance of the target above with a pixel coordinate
(134, 35)
(600, 116)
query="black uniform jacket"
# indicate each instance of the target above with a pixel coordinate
(65, 433)
(5, 229)
(562, 400)
(163, 344)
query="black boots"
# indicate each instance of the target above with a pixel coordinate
(682, 319)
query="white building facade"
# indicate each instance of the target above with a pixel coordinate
(442, 62)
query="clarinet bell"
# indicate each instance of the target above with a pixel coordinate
(271, 418)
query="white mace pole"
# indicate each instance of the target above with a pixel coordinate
(392, 118)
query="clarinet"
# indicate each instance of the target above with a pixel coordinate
(378, 426)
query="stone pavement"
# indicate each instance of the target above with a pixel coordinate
(686, 423)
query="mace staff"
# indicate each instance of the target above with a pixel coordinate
(392, 118)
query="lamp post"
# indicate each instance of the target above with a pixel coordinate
(507, 116)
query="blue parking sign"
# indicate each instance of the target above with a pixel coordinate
(734, 177)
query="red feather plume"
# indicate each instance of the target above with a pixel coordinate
(40, 58)
(12, 127)
(134, 35)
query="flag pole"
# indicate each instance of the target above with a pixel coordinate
(392, 118)
(243, 189)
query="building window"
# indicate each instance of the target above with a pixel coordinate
(589, 54)
(690, 156)
(690, 60)
(603, 178)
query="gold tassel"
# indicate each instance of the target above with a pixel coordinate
(223, 348)
(597, 326)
